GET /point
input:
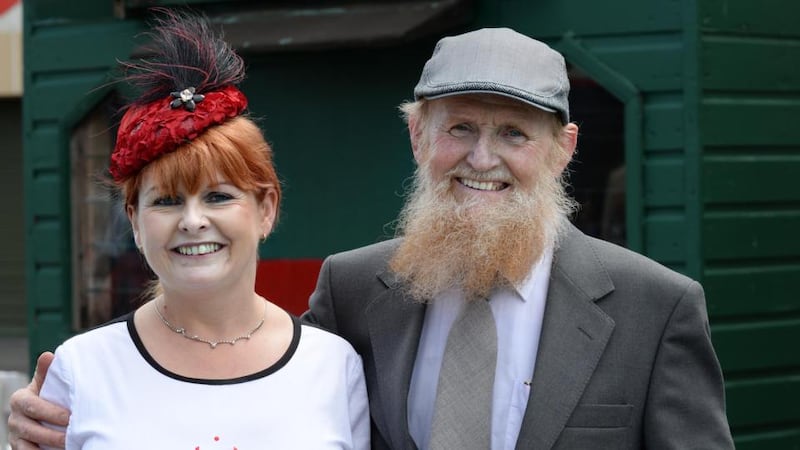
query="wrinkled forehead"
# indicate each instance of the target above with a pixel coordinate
(489, 106)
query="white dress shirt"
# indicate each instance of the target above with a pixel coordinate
(518, 314)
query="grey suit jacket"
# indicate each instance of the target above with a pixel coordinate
(624, 361)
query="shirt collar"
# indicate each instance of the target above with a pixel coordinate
(540, 272)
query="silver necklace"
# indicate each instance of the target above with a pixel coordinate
(213, 344)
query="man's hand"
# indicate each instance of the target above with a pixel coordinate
(27, 409)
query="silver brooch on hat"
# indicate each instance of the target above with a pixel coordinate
(187, 98)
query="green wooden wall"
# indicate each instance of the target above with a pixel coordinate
(710, 91)
(68, 52)
(341, 148)
(750, 210)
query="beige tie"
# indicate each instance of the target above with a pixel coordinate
(462, 414)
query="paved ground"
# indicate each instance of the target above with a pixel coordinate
(14, 354)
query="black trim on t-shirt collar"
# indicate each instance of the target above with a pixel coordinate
(284, 359)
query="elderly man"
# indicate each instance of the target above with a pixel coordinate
(592, 346)
(491, 322)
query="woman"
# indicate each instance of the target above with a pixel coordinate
(207, 363)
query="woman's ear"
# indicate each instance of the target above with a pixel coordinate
(269, 210)
(132, 216)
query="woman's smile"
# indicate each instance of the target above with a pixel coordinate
(198, 249)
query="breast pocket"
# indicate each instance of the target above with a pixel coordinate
(597, 427)
(601, 416)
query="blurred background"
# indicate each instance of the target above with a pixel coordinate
(14, 354)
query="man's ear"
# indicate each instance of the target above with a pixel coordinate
(415, 135)
(568, 141)
(131, 211)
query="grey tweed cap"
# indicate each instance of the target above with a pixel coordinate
(497, 61)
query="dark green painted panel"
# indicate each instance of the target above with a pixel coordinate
(340, 145)
(663, 123)
(763, 401)
(751, 178)
(41, 148)
(47, 332)
(749, 121)
(45, 199)
(48, 287)
(772, 17)
(752, 346)
(555, 17)
(679, 267)
(56, 46)
(756, 290)
(651, 63)
(46, 242)
(773, 440)
(665, 237)
(53, 99)
(663, 182)
(169, 3)
(761, 234)
(59, 9)
(732, 63)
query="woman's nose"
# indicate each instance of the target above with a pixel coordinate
(193, 218)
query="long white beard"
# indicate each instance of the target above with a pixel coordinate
(471, 245)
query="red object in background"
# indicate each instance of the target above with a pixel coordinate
(288, 282)
(5, 5)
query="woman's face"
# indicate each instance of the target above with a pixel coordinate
(204, 240)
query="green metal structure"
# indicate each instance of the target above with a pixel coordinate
(710, 91)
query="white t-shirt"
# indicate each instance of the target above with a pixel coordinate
(314, 397)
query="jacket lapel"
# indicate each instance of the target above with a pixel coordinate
(575, 332)
(395, 324)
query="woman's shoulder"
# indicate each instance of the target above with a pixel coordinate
(321, 337)
(104, 334)
(322, 350)
(325, 344)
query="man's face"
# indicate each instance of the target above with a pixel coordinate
(487, 197)
(486, 146)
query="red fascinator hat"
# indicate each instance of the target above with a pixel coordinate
(189, 85)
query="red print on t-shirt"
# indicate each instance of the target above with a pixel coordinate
(216, 439)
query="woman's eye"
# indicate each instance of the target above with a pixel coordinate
(218, 197)
(460, 130)
(166, 201)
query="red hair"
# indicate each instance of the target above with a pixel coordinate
(235, 149)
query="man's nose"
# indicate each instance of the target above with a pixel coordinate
(482, 157)
(194, 217)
